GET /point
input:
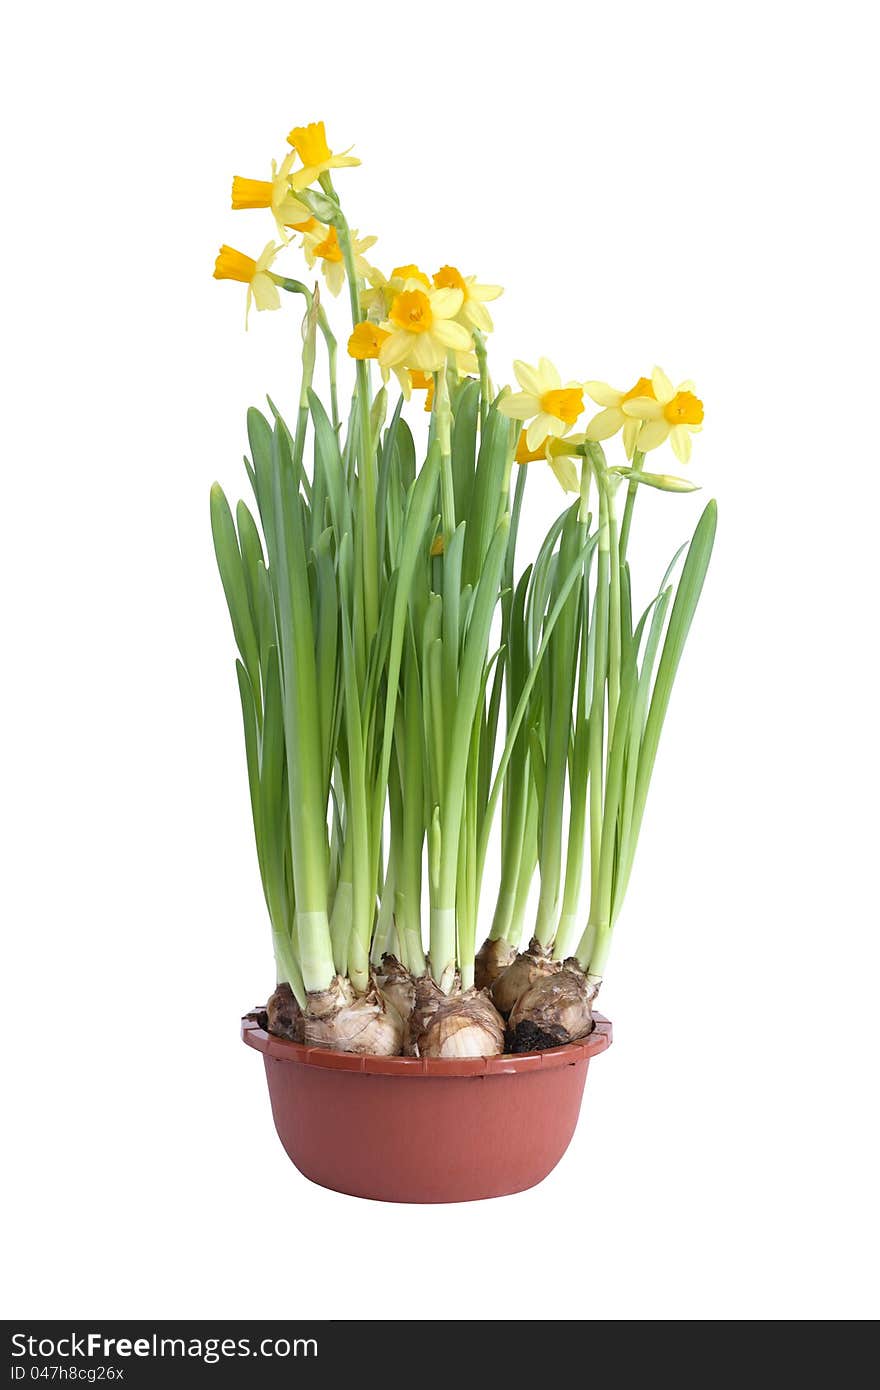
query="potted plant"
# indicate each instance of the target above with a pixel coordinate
(407, 683)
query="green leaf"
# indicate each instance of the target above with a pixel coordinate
(251, 746)
(686, 599)
(235, 587)
(328, 464)
(485, 504)
(464, 445)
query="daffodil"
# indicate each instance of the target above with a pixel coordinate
(670, 412)
(376, 301)
(551, 407)
(234, 265)
(401, 273)
(365, 344)
(613, 417)
(473, 312)
(274, 193)
(422, 328)
(322, 244)
(310, 143)
(552, 450)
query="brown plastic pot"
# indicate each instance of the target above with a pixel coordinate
(409, 1129)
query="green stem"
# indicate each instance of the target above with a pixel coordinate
(297, 287)
(597, 703)
(613, 616)
(367, 472)
(632, 490)
(442, 413)
(480, 350)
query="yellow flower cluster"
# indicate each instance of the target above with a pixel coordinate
(414, 325)
(649, 413)
(279, 194)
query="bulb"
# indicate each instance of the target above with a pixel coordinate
(284, 1015)
(461, 1025)
(529, 966)
(492, 960)
(428, 998)
(396, 986)
(554, 1010)
(349, 1022)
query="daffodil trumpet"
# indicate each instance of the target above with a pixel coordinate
(411, 686)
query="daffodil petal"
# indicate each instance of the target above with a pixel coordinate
(565, 472)
(550, 378)
(541, 427)
(652, 433)
(602, 393)
(680, 439)
(529, 378)
(642, 408)
(520, 406)
(483, 292)
(606, 423)
(394, 349)
(477, 315)
(663, 387)
(450, 334)
(445, 303)
(630, 436)
(265, 292)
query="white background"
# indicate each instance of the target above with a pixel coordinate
(685, 183)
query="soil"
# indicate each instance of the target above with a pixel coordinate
(529, 1037)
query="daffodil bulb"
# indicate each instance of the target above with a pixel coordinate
(554, 1010)
(525, 969)
(397, 987)
(461, 1025)
(492, 959)
(348, 1022)
(284, 1015)
(428, 998)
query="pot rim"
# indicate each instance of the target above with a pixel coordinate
(507, 1064)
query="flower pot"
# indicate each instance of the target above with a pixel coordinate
(409, 1129)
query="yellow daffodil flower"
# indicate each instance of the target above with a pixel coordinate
(473, 312)
(422, 327)
(377, 300)
(551, 450)
(365, 344)
(234, 265)
(671, 412)
(310, 143)
(401, 273)
(551, 407)
(613, 417)
(272, 193)
(322, 244)
(366, 340)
